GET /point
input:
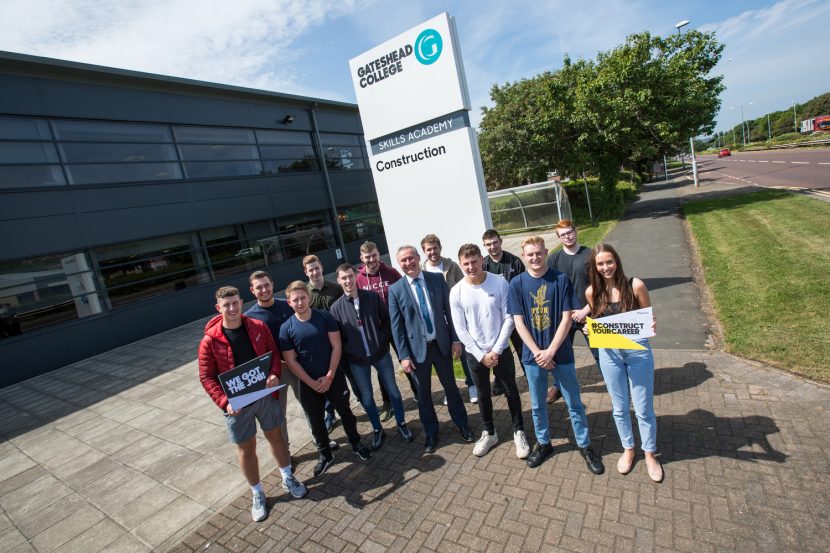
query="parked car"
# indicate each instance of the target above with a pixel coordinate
(724, 152)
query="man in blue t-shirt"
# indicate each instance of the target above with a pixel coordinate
(541, 304)
(310, 345)
(273, 313)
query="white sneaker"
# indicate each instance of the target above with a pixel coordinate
(473, 394)
(258, 509)
(445, 400)
(485, 443)
(522, 447)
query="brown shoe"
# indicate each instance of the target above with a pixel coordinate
(554, 394)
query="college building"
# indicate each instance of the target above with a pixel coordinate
(128, 198)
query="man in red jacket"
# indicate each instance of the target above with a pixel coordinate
(231, 339)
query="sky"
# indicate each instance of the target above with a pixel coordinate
(776, 51)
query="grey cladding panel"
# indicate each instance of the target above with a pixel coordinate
(119, 197)
(45, 235)
(36, 203)
(331, 120)
(214, 213)
(19, 95)
(228, 189)
(125, 225)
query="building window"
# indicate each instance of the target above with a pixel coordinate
(109, 131)
(236, 248)
(45, 290)
(360, 222)
(21, 176)
(286, 151)
(343, 151)
(213, 152)
(145, 268)
(306, 233)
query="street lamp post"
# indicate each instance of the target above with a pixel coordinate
(769, 129)
(743, 129)
(795, 122)
(681, 24)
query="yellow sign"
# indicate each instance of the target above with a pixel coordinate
(620, 331)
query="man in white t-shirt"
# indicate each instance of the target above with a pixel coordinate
(481, 320)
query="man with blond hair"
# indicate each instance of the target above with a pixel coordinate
(232, 339)
(541, 304)
(310, 343)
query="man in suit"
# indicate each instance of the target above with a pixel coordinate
(419, 309)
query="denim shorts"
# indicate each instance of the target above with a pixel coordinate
(242, 427)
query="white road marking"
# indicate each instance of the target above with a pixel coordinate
(763, 161)
(742, 160)
(779, 162)
(823, 163)
(751, 160)
(800, 162)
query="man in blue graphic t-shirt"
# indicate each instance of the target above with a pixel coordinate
(541, 303)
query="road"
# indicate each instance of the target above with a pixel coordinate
(806, 168)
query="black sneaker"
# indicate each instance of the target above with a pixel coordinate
(539, 453)
(378, 437)
(362, 451)
(496, 390)
(593, 460)
(324, 461)
(330, 420)
(405, 433)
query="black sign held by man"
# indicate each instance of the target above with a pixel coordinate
(246, 383)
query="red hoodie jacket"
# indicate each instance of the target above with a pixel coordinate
(378, 282)
(216, 355)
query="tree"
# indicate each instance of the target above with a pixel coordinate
(632, 104)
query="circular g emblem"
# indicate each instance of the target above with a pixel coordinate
(428, 46)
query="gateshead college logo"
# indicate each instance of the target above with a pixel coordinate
(428, 46)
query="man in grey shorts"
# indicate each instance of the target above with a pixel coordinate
(232, 339)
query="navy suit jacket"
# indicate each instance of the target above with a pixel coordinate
(408, 329)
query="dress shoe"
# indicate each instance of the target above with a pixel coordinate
(429, 445)
(593, 460)
(466, 435)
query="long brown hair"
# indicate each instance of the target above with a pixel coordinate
(602, 296)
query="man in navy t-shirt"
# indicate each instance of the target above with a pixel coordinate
(310, 344)
(541, 304)
(273, 313)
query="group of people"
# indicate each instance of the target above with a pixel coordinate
(326, 338)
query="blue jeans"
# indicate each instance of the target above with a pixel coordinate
(631, 369)
(565, 376)
(386, 375)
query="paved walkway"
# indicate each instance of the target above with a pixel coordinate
(125, 452)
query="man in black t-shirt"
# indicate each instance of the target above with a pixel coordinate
(507, 266)
(572, 260)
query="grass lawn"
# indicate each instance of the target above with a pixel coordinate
(766, 259)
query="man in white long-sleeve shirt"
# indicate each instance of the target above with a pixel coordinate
(481, 320)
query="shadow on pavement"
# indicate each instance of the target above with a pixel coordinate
(665, 282)
(394, 465)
